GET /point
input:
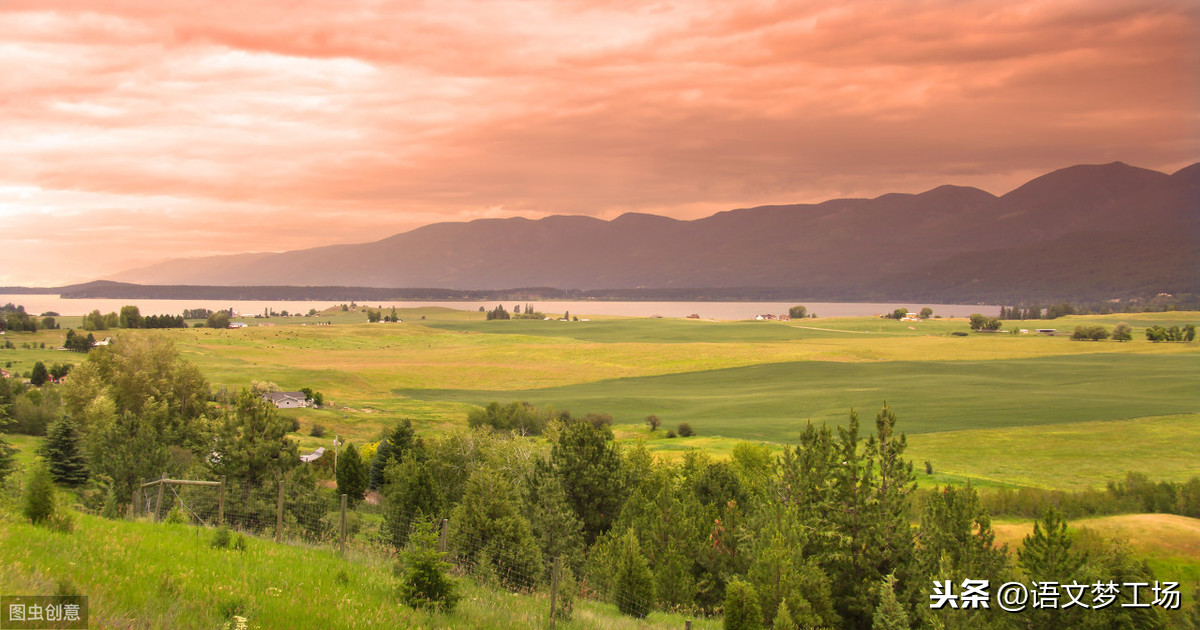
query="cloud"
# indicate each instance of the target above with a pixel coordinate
(187, 128)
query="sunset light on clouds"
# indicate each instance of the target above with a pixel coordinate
(135, 131)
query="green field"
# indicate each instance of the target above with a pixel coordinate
(997, 408)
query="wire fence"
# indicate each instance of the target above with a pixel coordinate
(502, 555)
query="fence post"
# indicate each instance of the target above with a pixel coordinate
(687, 625)
(442, 538)
(137, 500)
(342, 536)
(221, 503)
(158, 502)
(279, 512)
(554, 587)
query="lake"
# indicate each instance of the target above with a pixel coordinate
(37, 304)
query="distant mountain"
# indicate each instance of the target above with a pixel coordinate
(1083, 232)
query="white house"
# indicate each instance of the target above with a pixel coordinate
(287, 400)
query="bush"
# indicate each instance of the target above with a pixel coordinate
(685, 430)
(39, 494)
(317, 431)
(176, 516)
(671, 434)
(424, 583)
(221, 537)
(741, 607)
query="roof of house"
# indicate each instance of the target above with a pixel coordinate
(313, 456)
(278, 396)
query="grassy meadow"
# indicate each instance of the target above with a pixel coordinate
(157, 575)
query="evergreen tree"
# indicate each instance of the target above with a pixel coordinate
(1045, 553)
(742, 610)
(634, 581)
(586, 460)
(410, 495)
(422, 569)
(889, 615)
(783, 617)
(553, 521)
(64, 454)
(39, 494)
(39, 376)
(351, 475)
(391, 449)
(7, 457)
(492, 534)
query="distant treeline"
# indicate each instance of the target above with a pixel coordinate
(1082, 303)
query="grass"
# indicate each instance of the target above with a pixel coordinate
(144, 575)
(1169, 543)
(1066, 456)
(773, 402)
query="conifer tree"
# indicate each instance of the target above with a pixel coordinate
(634, 580)
(586, 460)
(64, 454)
(742, 611)
(783, 617)
(889, 615)
(391, 450)
(351, 475)
(39, 494)
(39, 376)
(422, 569)
(492, 534)
(7, 459)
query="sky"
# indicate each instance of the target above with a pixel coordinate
(133, 131)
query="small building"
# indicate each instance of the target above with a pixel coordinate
(313, 456)
(286, 400)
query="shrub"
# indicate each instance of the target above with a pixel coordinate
(176, 516)
(685, 430)
(239, 543)
(317, 431)
(741, 607)
(424, 583)
(39, 494)
(221, 537)
(671, 433)
(566, 595)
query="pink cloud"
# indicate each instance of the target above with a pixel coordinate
(187, 128)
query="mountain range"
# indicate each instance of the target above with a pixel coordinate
(1087, 232)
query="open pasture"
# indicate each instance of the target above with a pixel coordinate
(773, 401)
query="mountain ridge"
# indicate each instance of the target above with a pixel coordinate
(948, 241)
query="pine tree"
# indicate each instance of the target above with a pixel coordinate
(391, 450)
(7, 459)
(493, 535)
(64, 454)
(783, 617)
(634, 581)
(586, 461)
(422, 570)
(351, 475)
(889, 615)
(1046, 554)
(742, 611)
(39, 494)
(39, 376)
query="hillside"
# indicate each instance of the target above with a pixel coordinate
(1088, 232)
